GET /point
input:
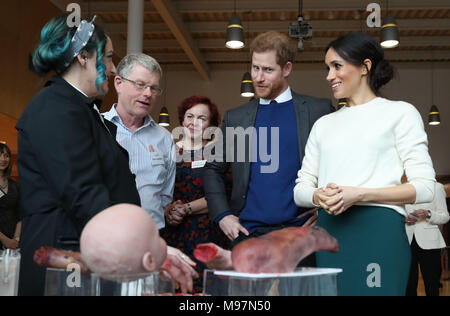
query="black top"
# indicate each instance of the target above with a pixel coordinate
(68, 161)
(70, 169)
(9, 210)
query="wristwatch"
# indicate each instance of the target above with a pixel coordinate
(429, 214)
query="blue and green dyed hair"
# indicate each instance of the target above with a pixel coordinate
(56, 36)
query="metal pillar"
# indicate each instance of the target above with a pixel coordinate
(135, 26)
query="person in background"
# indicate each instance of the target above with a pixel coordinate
(354, 160)
(426, 241)
(188, 223)
(278, 122)
(10, 224)
(70, 167)
(149, 145)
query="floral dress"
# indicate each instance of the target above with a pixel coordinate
(194, 229)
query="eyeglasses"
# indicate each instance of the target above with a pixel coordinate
(142, 86)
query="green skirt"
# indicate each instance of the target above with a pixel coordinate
(374, 251)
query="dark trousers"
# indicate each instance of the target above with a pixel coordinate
(309, 261)
(430, 266)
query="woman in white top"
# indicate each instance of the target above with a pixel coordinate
(352, 169)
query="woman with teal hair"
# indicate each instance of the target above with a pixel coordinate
(70, 167)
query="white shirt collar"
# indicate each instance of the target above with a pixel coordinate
(95, 105)
(112, 115)
(76, 88)
(284, 97)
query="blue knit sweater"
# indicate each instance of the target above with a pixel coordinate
(270, 194)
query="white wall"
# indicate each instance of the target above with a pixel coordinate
(412, 84)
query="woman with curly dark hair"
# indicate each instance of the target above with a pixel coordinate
(188, 222)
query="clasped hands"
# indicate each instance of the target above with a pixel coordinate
(416, 216)
(175, 213)
(336, 199)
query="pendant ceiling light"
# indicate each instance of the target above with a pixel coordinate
(235, 32)
(247, 90)
(164, 118)
(389, 31)
(341, 103)
(433, 116)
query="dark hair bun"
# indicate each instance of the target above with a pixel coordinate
(381, 75)
(55, 39)
(355, 48)
(42, 61)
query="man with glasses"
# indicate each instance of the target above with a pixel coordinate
(149, 145)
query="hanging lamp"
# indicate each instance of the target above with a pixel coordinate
(389, 31)
(342, 103)
(235, 32)
(433, 116)
(247, 90)
(164, 118)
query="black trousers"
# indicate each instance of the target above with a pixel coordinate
(430, 266)
(309, 261)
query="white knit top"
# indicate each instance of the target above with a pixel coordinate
(368, 145)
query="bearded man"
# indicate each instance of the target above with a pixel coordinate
(276, 124)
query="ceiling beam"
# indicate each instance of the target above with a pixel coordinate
(282, 26)
(62, 4)
(192, 6)
(180, 30)
(196, 6)
(242, 57)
